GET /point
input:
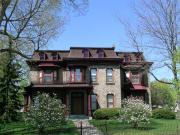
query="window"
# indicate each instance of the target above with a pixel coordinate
(135, 78)
(110, 100)
(86, 53)
(109, 75)
(75, 75)
(42, 56)
(128, 74)
(100, 53)
(54, 56)
(78, 75)
(94, 75)
(48, 76)
(127, 58)
(93, 102)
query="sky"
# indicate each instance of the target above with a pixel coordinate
(100, 27)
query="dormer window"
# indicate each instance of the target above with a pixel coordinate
(54, 56)
(86, 53)
(42, 56)
(100, 53)
(138, 58)
(127, 58)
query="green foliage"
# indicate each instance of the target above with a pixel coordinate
(163, 114)
(163, 95)
(106, 113)
(45, 111)
(134, 111)
(10, 90)
(20, 128)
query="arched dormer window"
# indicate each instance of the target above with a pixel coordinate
(86, 53)
(100, 53)
(54, 56)
(42, 56)
(127, 58)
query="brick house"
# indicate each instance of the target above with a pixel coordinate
(88, 78)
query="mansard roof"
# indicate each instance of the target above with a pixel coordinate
(91, 54)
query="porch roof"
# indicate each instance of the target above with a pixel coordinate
(138, 87)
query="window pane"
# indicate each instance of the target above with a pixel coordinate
(135, 78)
(47, 71)
(109, 72)
(93, 102)
(47, 79)
(72, 75)
(110, 100)
(93, 74)
(78, 75)
(93, 71)
(109, 75)
(109, 79)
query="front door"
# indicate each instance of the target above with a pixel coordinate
(77, 103)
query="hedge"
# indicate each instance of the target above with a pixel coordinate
(106, 113)
(163, 114)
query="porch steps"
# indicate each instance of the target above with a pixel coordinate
(78, 117)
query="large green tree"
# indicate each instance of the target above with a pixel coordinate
(10, 89)
(163, 95)
(26, 25)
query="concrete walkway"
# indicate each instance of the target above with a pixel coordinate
(87, 128)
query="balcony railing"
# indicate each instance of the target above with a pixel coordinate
(60, 82)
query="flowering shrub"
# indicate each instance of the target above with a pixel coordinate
(45, 111)
(134, 111)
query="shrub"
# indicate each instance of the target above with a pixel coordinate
(163, 114)
(44, 112)
(106, 113)
(134, 111)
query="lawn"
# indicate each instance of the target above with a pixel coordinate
(156, 127)
(19, 128)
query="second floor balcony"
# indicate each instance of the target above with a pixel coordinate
(58, 77)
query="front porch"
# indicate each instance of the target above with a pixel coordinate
(76, 100)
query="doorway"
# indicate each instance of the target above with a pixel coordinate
(77, 103)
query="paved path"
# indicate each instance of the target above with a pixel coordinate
(87, 128)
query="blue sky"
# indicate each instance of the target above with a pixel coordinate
(100, 27)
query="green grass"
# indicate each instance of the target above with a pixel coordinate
(156, 127)
(19, 128)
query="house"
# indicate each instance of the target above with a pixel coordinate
(87, 78)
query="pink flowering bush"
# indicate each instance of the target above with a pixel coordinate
(134, 111)
(45, 111)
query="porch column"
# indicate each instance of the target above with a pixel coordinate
(89, 104)
(67, 104)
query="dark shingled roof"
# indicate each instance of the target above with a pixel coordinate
(77, 52)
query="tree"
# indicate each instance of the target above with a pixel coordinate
(25, 25)
(163, 95)
(29, 24)
(135, 112)
(157, 30)
(10, 90)
(45, 111)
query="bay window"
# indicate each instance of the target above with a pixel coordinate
(135, 78)
(47, 76)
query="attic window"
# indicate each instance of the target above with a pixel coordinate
(100, 53)
(42, 56)
(126, 58)
(54, 56)
(86, 53)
